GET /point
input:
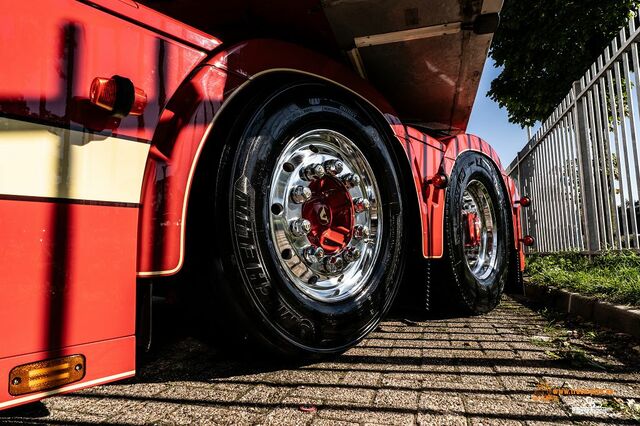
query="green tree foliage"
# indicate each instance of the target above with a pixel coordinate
(545, 45)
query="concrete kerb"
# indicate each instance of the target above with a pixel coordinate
(625, 319)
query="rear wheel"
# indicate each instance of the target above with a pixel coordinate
(308, 223)
(478, 233)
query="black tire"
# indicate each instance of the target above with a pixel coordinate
(473, 294)
(254, 297)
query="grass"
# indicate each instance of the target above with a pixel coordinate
(612, 276)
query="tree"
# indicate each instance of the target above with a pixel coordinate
(545, 45)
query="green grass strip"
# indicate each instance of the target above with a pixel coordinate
(611, 276)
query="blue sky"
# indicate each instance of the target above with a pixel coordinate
(491, 122)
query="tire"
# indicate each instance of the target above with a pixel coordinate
(268, 289)
(479, 280)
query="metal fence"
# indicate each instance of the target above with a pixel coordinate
(581, 168)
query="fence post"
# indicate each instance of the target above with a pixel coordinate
(589, 213)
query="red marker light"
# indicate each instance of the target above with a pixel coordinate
(528, 240)
(117, 95)
(139, 102)
(524, 201)
(103, 93)
(439, 181)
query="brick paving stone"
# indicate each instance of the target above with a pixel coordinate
(463, 371)
(406, 352)
(265, 394)
(425, 419)
(492, 409)
(380, 343)
(403, 381)
(336, 395)
(397, 399)
(288, 416)
(362, 378)
(371, 416)
(368, 351)
(319, 421)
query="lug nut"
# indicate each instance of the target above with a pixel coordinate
(351, 180)
(313, 254)
(333, 264)
(361, 204)
(300, 227)
(360, 232)
(300, 194)
(312, 172)
(351, 254)
(333, 167)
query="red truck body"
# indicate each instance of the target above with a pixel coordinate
(92, 204)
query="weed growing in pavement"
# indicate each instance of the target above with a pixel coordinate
(629, 407)
(572, 340)
(567, 344)
(611, 276)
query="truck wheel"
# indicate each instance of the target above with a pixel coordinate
(308, 222)
(477, 233)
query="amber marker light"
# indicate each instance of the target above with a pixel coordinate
(117, 95)
(45, 375)
(528, 240)
(439, 181)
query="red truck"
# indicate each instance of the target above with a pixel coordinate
(293, 159)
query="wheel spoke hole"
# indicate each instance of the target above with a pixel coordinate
(277, 208)
(288, 167)
(287, 254)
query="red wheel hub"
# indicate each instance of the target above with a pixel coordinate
(330, 211)
(473, 229)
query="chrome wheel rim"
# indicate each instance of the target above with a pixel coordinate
(480, 236)
(325, 217)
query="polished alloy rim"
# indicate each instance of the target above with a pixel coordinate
(479, 230)
(325, 215)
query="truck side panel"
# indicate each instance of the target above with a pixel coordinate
(71, 177)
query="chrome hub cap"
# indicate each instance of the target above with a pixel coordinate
(327, 227)
(479, 230)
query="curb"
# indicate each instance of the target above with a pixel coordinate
(620, 318)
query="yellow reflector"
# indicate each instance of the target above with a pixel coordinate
(45, 375)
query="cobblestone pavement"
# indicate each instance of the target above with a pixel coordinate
(467, 371)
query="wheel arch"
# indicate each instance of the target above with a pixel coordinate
(208, 102)
(272, 80)
(462, 143)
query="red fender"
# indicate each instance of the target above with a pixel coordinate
(188, 121)
(466, 142)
